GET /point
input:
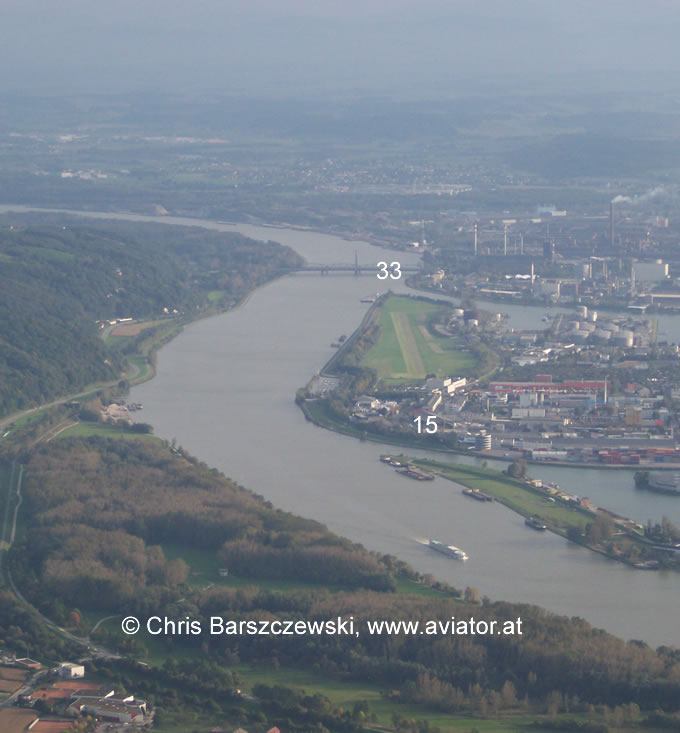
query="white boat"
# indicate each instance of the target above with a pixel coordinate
(448, 550)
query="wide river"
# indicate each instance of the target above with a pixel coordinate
(225, 390)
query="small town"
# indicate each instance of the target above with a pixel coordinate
(53, 699)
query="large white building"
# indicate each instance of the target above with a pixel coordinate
(650, 272)
(71, 671)
(110, 708)
(446, 385)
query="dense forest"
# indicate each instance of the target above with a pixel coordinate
(59, 280)
(23, 632)
(100, 510)
(97, 512)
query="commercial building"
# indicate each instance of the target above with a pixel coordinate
(111, 709)
(70, 671)
(548, 386)
(650, 272)
(446, 385)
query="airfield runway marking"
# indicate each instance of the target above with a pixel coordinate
(408, 346)
(430, 340)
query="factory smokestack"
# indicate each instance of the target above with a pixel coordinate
(611, 224)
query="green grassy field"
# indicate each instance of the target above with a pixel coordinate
(6, 505)
(407, 351)
(145, 371)
(22, 422)
(50, 254)
(105, 430)
(215, 296)
(204, 570)
(517, 496)
(344, 693)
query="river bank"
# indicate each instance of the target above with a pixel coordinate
(563, 516)
(240, 417)
(317, 412)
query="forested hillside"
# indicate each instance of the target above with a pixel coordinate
(59, 280)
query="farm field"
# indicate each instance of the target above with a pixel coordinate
(406, 350)
(16, 720)
(11, 679)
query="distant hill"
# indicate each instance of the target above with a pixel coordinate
(57, 281)
(592, 155)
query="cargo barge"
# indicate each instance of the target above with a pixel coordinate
(415, 473)
(535, 523)
(477, 494)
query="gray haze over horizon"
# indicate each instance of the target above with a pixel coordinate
(301, 46)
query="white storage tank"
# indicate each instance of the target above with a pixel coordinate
(624, 338)
(601, 335)
(483, 442)
(592, 316)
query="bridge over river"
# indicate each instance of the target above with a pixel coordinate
(356, 269)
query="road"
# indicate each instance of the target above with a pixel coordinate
(6, 541)
(94, 649)
(8, 531)
(24, 689)
(101, 621)
(132, 373)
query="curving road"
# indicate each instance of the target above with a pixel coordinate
(132, 373)
(6, 540)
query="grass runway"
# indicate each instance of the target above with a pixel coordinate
(415, 369)
(407, 351)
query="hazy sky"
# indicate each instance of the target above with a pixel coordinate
(274, 45)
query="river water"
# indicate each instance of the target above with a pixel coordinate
(225, 390)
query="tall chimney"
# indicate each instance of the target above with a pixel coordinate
(475, 239)
(611, 224)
